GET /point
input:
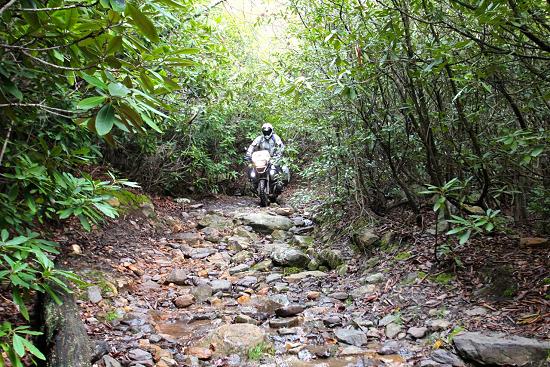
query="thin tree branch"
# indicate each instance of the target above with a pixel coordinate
(56, 66)
(5, 144)
(8, 4)
(80, 5)
(39, 105)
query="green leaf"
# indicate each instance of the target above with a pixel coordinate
(118, 5)
(18, 345)
(90, 102)
(536, 152)
(105, 120)
(93, 81)
(34, 351)
(186, 51)
(114, 45)
(118, 90)
(144, 24)
(18, 300)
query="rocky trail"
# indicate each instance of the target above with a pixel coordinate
(226, 283)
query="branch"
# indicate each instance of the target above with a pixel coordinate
(56, 66)
(39, 105)
(5, 143)
(80, 5)
(8, 4)
(198, 14)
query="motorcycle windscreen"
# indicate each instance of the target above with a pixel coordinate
(260, 159)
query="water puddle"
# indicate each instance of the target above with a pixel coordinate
(177, 329)
(369, 359)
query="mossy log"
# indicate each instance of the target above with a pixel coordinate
(65, 341)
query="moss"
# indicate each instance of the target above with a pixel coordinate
(129, 200)
(403, 256)
(257, 352)
(291, 270)
(443, 278)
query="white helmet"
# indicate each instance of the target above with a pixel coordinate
(267, 130)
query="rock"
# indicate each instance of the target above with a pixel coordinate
(313, 295)
(264, 265)
(266, 223)
(94, 294)
(352, 351)
(191, 238)
(244, 319)
(289, 311)
(332, 320)
(445, 357)
(236, 243)
(101, 348)
(537, 242)
(305, 274)
(284, 211)
(351, 337)
(215, 221)
(111, 362)
(279, 235)
(313, 265)
(389, 347)
(148, 210)
(303, 241)
(438, 324)
(239, 269)
(183, 301)
(429, 363)
(273, 278)
(388, 319)
(498, 349)
(248, 281)
(284, 323)
(476, 311)
(341, 296)
(220, 285)
(374, 278)
(365, 238)
(241, 257)
(361, 292)
(201, 253)
(211, 234)
(200, 353)
(331, 258)
(236, 338)
(392, 330)
(202, 292)
(139, 355)
(177, 276)
(245, 232)
(76, 250)
(287, 256)
(417, 332)
(342, 270)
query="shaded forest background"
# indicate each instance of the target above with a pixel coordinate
(412, 103)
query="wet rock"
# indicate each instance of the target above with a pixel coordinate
(200, 353)
(220, 285)
(438, 324)
(331, 258)
(236, 338)
(375, 278)
(264, 265)
(501, 350)
(266, 223)
(273, 277)
(94, 294)
(239, 269)
(417, 332)
(365, 238)
(287, 256)
(289, 311)
(351, 336)
(202, 292)
(392, 330)
(305, 274)
(111, 362)
(177, 276)
(211, 234)
(445, 357)
(183, 301)
(284, 323)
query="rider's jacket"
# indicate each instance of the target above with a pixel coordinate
(274, 145)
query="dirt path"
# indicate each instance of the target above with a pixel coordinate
(226, 283)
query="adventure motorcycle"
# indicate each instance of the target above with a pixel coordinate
(262, 176)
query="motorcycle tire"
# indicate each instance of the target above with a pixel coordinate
(262, 193)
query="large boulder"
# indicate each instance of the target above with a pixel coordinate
(236, 338)
(331, 258)
(365, 238)
(288, 256)
(266, 223)
(215, 221)
(499, 349)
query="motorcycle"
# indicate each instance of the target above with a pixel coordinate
(262, 176)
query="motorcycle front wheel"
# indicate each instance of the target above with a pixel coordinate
(262, 193)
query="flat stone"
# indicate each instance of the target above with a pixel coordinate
(352, 350)
(273, 277)
(139, 355)
(177, 276)
(200, 353)
(239, 269)
(192, 238)
(305, 274)
(445, 357)
(244, 319)
(388, 319)
(236, 338)
(363, 291)
(351, 336)
(266, 223)
(211, 234)
(289, 311)
(111, 362)
(202, 292)
(375, 278)
(183, 301)
(499, 349)
(284, 323)
(220, 285)
(392, 330)
(341, 296)
(417, 332)
(94, 294)
(215, 221)
(247, 281)
(264, 265)
(288, 256)
(390, 347)
(201, 253)
(476, 311)
(438, 324)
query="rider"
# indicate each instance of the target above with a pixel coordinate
(271, 142)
